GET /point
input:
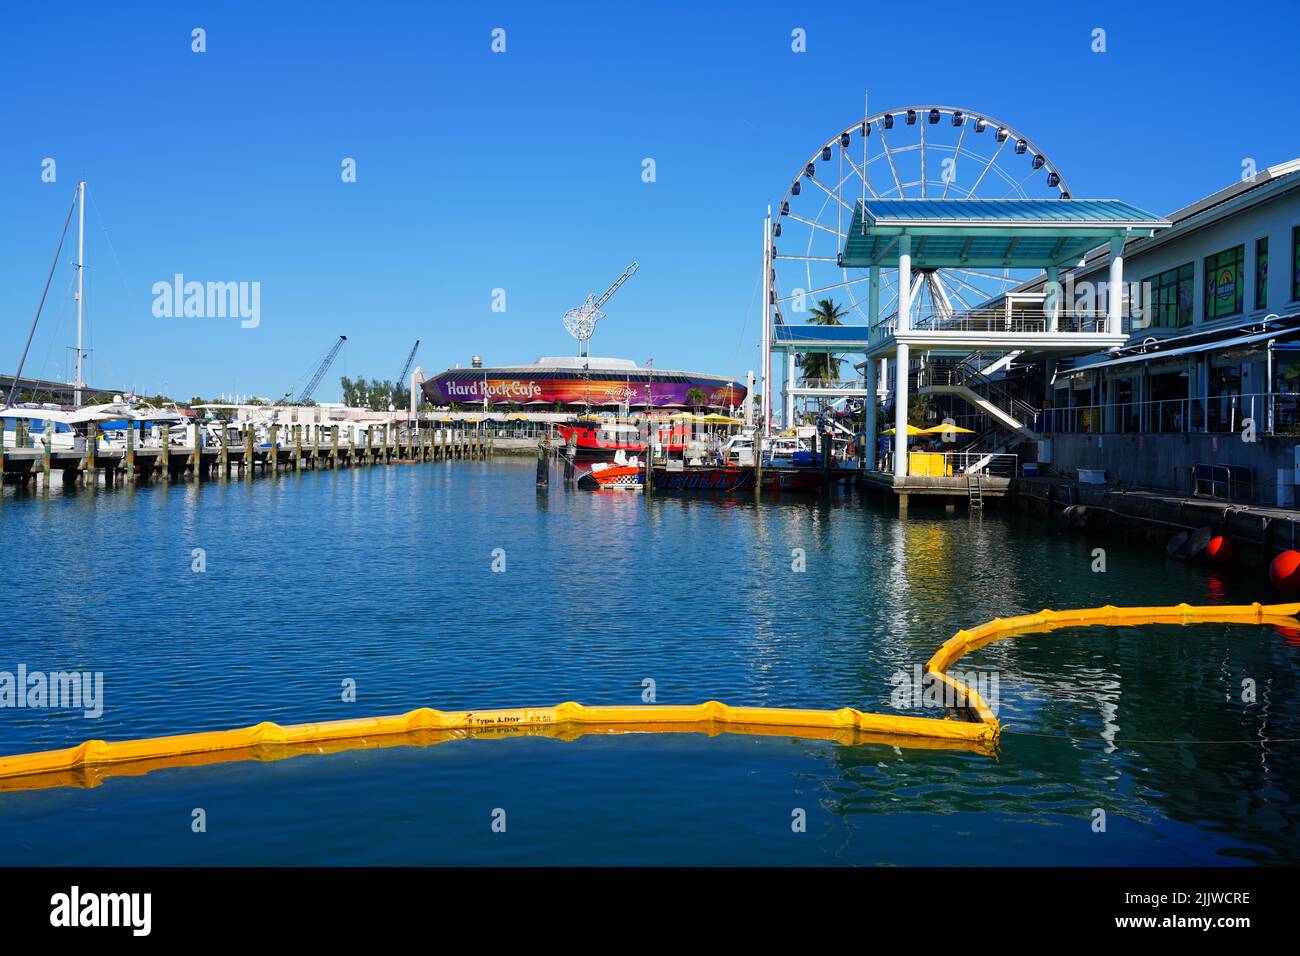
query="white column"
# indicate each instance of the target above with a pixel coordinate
(873, 298)
(81, 291)
(904, 285)
(869, 427)
(766, 371)
(789, 390)
(1115, 286)
(1053, 302)
(900, 410)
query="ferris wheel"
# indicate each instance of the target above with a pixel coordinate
(917, 152)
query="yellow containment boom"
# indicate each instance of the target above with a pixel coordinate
(88, 764)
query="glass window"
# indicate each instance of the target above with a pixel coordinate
(1223, 283)
(1261, 273)
(1170, 297)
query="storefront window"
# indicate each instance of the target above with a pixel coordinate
(1171, 297)
(1223, 283)
(1261, 273)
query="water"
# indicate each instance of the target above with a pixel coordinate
(384, 576)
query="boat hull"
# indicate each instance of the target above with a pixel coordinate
(730, 478)
(617, 478)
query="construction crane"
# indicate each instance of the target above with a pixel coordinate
(401, 378)
(305, 395)
(581, 322)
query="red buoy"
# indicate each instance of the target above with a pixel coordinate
(1284, 572)
(1219, 550)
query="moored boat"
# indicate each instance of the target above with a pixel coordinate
(727, 478)
(621, 474)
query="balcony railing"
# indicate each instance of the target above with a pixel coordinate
(1000, 320)
(1268, 413)
(1003, 320)
(832, 384)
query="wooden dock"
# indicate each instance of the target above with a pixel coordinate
(290, 448)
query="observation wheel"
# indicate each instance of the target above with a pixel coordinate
(917, 152)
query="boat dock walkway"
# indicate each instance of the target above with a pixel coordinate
(289, 448)
(949, 489)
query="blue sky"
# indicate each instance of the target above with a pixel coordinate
(522, 170)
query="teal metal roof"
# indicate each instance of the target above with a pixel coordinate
(1040, 212)
(1001, 233)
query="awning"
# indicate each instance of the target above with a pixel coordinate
(1216, 345)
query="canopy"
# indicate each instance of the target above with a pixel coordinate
(1002, 233)
(911, 430)
(941, 428)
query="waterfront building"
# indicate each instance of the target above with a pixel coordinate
(1200, 395)
(1076, 336)
(1203, 395)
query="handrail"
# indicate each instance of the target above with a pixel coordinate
(89, 763)
(1273, 413)
(965, 372)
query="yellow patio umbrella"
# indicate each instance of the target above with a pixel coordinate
(941, 428)
(911, 430)
(715, 419)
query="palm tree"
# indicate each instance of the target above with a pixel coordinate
(696, 398)
(822, 365)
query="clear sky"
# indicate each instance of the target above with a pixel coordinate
(522, 170)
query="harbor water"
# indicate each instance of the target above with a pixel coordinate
(456, 585)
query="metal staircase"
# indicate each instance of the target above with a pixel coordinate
(968, 377)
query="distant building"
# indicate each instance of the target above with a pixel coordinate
(48, 390)
(576, 382)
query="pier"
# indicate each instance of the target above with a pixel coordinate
(290, 448)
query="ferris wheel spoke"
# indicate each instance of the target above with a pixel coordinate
(961, 138)
(1005, 278)
(890, 309)
(826, 288)
(1021, 185)
(992, 159)
(862, 175)
(810, 222)
(984, 294)
(824, 188)
(889, 156)
(923, 125)
(955, 293)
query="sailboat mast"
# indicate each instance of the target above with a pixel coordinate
(81, 275)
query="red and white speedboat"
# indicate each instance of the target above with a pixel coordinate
(621, 474)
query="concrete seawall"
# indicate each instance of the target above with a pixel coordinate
(1165, 461)
(1153, 517)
